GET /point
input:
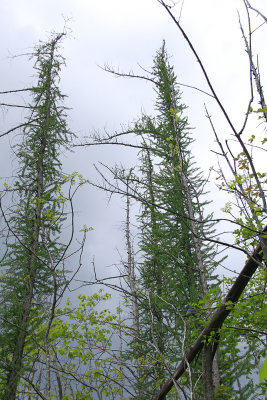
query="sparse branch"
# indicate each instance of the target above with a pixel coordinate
(130, 74)
(18, 127)
(17, 90)
(254, 71)
(136, 195)
(256, 10)
(147, 78)
(177, 23)
(134, 146)
(14, 105)
(249, 52)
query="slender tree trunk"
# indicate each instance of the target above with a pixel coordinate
(209, 364)
(157, 313)
(17, 357)
(216, 372)
(130, 265)
(207, 361)
(59, 384)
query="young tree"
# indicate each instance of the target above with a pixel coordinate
(248, 185)
(177, 267)
(169, 208)
(33, 266)
(80, 349)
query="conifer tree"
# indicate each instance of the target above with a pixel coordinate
(177, 267)
(176, 290)
(178, 263)
(32, 269)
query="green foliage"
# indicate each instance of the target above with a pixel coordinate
(263, 371)
(248, 185)
(224, 393)
(32, 267)
(67, 352)
(242, 340)
(169, 276)
(79, 345)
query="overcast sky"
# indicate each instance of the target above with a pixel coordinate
(123, 33)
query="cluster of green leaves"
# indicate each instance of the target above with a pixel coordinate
(80, 351)
(244, 331)
(248, 187)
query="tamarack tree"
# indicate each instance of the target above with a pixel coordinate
(248, 186)
(177, 267)
(33, 267)
(173, 342)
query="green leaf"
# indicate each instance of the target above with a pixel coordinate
(262, 110)
(263, 370)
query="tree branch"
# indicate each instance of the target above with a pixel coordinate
(217, 319)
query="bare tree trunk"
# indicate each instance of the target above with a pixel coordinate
(207, 361)
(59, 384)
(215, 371)
(121, 352)
(130, 264)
